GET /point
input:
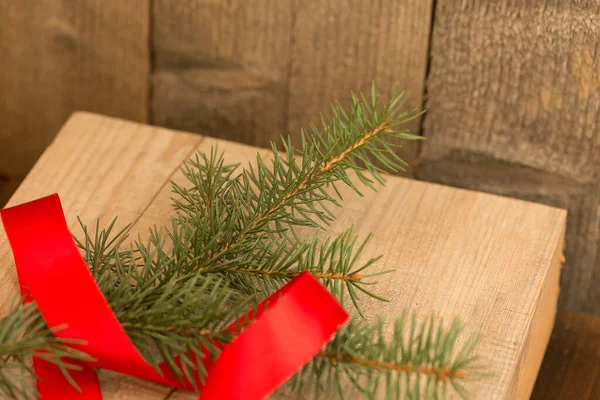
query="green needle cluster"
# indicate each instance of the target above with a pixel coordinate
(238, 234)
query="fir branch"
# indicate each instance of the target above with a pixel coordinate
(292, 193)
(165, 315)
(270, 264)
(23, 332)
(160, 309)
(245, 212)
(233, 241)
(416, 360)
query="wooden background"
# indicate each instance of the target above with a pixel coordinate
(512, 88)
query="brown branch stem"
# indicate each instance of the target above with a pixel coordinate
(442, 373)
(364, 140)
(184, 331)
(285, 274)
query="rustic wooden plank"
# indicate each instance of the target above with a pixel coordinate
(518, 81)
(61, 56)
(489, 259)
(252, 71)
(571, 367)
(220, 67)
(513, 108)
(582, 269)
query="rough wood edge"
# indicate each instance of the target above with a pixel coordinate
(541, 327)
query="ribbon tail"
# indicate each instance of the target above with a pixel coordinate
(290, 328)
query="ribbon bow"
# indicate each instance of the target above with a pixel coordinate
(300, 319)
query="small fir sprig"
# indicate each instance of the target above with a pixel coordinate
(419, 361)
(239, 234)
(24, 333)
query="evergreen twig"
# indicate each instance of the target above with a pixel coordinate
(23, 333)
(235, 239)
(419, 361)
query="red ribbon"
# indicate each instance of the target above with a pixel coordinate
(299, 321)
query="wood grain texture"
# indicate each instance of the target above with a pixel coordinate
(536, 344)
(518, 81)
(488, 259)
(254, 70)
(514, 109)
(579, 290)
(571, 367)
(61, 56)
(220, 67)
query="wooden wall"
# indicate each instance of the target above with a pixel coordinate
(243, 70)
(252, 71)
(512, 87)
(58, 56)
(514, 109)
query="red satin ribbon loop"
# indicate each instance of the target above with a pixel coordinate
(289, 328)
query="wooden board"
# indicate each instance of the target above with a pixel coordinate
(571, 367)
(62, 56)
(251, 71)
(514, 107)
(583, 230)
(494, 261)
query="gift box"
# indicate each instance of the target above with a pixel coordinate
(493, 261)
